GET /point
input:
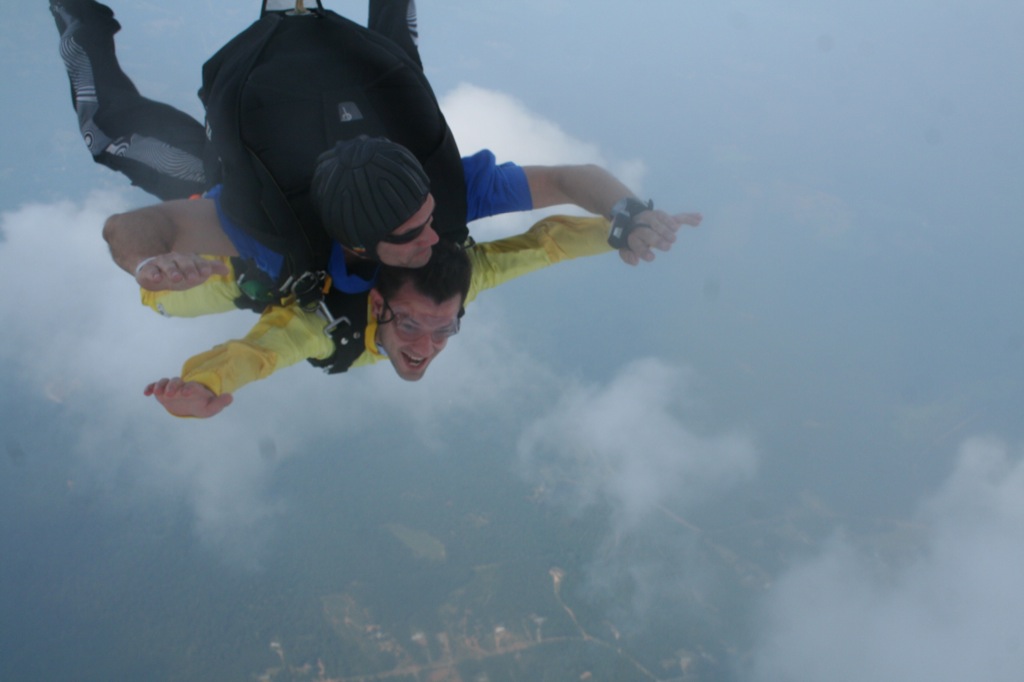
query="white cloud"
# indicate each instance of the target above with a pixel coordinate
(951, 613)
(77, 335)
(482, 118)
(625, 446)
(72, 310)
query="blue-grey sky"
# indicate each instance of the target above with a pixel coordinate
(844, 325)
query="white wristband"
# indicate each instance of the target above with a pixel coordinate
(143, 263)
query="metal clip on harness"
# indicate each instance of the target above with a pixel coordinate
(308, 289)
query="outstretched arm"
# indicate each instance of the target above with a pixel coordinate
(554, 239)
(596, 190)
(282, 337)
(159, 244)
(588, 186)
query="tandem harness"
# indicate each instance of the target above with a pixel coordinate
(259, 290)
(346, 314)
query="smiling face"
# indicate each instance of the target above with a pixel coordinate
(416, 329)
(416, 252)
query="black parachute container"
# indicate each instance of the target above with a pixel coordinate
(290, 86)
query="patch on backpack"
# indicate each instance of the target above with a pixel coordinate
(349, 111)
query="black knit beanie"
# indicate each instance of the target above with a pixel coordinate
(366, 187)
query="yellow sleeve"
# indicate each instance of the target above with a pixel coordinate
(552, 240)
(282, 337)
(216, 295)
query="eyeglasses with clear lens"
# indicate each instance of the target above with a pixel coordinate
(408, 329)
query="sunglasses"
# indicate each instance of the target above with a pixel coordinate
(406, 237)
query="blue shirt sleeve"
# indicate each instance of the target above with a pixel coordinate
(492, 189)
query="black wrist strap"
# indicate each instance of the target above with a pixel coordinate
(622, 220)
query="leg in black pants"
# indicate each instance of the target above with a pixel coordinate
(158, 148)
(396, 21)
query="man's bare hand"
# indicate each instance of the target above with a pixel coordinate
(177, 271)
(187, 398)
(654, 230)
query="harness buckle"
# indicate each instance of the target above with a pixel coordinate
(332, 321)
(308, 290)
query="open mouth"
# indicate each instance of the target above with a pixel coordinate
(413, 362)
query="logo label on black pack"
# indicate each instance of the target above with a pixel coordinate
(348, 111)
